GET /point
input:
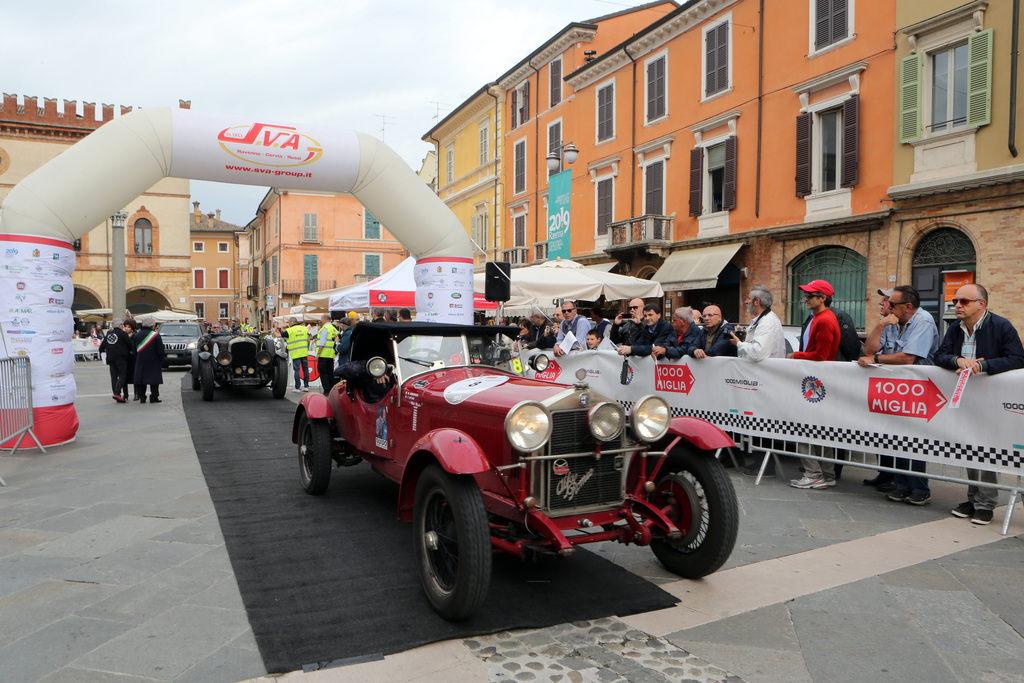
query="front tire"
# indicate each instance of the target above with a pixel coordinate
(701, 501)
(314, 456)
(279, 385)
(453, 542)
(206, 379)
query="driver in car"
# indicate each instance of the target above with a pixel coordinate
(355, 372)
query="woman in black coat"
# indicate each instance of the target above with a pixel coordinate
(149, 357)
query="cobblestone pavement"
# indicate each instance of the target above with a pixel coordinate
(598, 651)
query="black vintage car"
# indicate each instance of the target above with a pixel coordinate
(229, 359)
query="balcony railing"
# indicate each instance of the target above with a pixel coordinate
(540, 252)
(296, 286)
(643, 229)
(360, 278)
(517, 257)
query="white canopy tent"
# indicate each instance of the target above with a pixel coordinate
(537, 286)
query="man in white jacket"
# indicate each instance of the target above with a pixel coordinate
(764, 333)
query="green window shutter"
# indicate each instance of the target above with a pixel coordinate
(979, 79)
(910, 97)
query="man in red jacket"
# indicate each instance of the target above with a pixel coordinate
(820, 341)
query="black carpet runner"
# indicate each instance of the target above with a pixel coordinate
(334, 577)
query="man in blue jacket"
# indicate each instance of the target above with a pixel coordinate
(655, 331)
(983, 342)
(717, 334)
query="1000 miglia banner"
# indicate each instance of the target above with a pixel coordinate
(904, 411)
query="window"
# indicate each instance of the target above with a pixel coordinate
(479, 227)
(519, 167)
(275, 219)
(371, 226)
(485, 141)
(519, 230)
(143, 236)
(200, 308)
(266, 273)
(716, 58)
(714, 189)
(606, 112)
(555, 75)
(519, 101)
(371, 264)
(449, 165)
(605, 205)
(831, 22)
(555, 144)
(655, 88)
(198, 278)
(273, 268)
(197, 247)
(222, 247)
(223, 279)
(310, 273)
(946, 87)
(844, 269)
(654, 188)
(222, 310)
(309, 227)
(827, 155)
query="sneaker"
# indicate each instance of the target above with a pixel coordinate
(831, 482)
(806, 482)
(886, 487)
(752, 470)
(981, 517)
(119, 398)
(296, 391)
(305, 390)
(898, 496)
(918, 498)
(963, 510)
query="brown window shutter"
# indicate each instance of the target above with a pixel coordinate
(838, 20)
(822, 23)
(696, 180)
(803, 155)
(729, 182)
(526, 102)
(514, 121)
(851, 142)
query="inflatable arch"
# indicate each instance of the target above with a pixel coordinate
(67, 197)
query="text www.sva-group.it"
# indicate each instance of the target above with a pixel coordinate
(268, 171)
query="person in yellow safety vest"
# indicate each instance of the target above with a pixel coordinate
(297, 337)
(325, 353)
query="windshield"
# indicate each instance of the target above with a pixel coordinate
(179, 330)
(420, 353)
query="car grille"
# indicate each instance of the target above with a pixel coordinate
(175, 346)
(591, 482)
(243, 352)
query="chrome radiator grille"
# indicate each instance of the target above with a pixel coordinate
(582, 480)
(175, 346)
(243, 352)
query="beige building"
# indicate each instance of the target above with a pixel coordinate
(156, 232)
(217, 289)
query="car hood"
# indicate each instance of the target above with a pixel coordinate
(478, 390)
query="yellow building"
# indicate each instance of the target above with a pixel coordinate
(217, 289)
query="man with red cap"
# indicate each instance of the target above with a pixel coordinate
(819, 341)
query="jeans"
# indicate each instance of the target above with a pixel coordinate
(906, 482)
(303, 364)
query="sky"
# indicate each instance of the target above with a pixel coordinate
(391, 69)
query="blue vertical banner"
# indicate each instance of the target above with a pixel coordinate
(559, 234)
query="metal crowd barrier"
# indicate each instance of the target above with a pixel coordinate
(16, 403)
(774, 447)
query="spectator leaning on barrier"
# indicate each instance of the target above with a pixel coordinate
(571, 322)
(593, 339)
(685, 339)
(764, 337)
(983, 342)
(601, 324)
(543, 332)
(716, 335)
(883, 481)
(626, 328)
(655, 332)
(819, 342)
(907, 336)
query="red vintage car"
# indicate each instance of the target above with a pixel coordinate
(489, 460)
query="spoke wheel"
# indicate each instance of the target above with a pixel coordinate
(453, 546)
(698, 497)
(314, 456)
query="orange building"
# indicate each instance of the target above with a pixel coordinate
(310, 241)
(216, 282)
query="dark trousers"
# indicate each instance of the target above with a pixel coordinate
(154, 391)
(119, 376)
(325, 366)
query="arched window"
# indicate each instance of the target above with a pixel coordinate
(944, 247)
(844, 269)
(143, 236)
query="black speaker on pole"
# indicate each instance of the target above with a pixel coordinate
(497, 280)
(337, 315)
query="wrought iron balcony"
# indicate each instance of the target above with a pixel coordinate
(641, 232)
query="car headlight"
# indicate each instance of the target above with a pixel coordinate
(377, 367)
(264, 357)
(528, 426)
(540, 362)
(650, 418)
(606, 421)
(224, 358)
(191, 345)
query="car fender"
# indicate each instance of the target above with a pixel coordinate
(456, 452)
(315, 407)
(700, 433)
(205, 355)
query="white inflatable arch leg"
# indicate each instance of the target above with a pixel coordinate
(70, 195)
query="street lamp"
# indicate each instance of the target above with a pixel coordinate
(118, 304)
(567, 151)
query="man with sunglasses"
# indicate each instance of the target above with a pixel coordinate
(983, 342)
(626, 328)
(819, 342)
(907, 336)
(571, 322)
